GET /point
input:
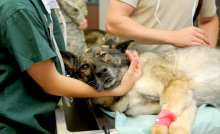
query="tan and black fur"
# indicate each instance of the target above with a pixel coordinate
(178, 80)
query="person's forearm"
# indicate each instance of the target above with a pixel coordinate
(66, 86)
(126, 28)
(211, 28)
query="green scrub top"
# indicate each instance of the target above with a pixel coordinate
(25, 40)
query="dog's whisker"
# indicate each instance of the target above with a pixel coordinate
(91, 83)
(80, 79)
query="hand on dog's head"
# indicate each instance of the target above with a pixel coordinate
(91, 66)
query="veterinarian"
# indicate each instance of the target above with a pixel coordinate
(155, 24)
(30, 68)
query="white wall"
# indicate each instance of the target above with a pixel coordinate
(103, 6)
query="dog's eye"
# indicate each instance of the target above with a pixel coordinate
(102, 55)
(84, 66)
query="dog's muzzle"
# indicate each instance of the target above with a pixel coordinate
(103, 74)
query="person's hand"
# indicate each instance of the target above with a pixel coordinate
(133, 74)
(83, 24)
(135, 69)
(86, 50)
(189, 36)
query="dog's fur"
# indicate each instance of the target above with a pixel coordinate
(178, 80)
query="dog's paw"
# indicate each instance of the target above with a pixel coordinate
(159, 129)
(173, 129)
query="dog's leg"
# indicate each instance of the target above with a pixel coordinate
(175, 98)
(121, 105)
(184, 122)
(144, 109)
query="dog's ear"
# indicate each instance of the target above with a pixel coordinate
(122, 46)
(70, 61)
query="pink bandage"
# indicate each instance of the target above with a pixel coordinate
(164, 118)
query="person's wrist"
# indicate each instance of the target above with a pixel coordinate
(117, 91)
(169, 38)
(120, 90)
(126, 87)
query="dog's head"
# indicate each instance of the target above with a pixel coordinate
(100, 67)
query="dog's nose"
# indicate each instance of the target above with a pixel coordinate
(101, 71)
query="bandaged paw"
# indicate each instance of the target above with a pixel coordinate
(164, 118)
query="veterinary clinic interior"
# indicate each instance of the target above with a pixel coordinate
(83, 26)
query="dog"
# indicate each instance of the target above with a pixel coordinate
(178, 80)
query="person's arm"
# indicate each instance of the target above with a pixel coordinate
(211, 27)
(119, 24)
(46, 75)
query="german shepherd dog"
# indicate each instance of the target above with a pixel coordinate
(178, 80)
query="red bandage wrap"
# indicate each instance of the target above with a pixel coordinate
(164, 118)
